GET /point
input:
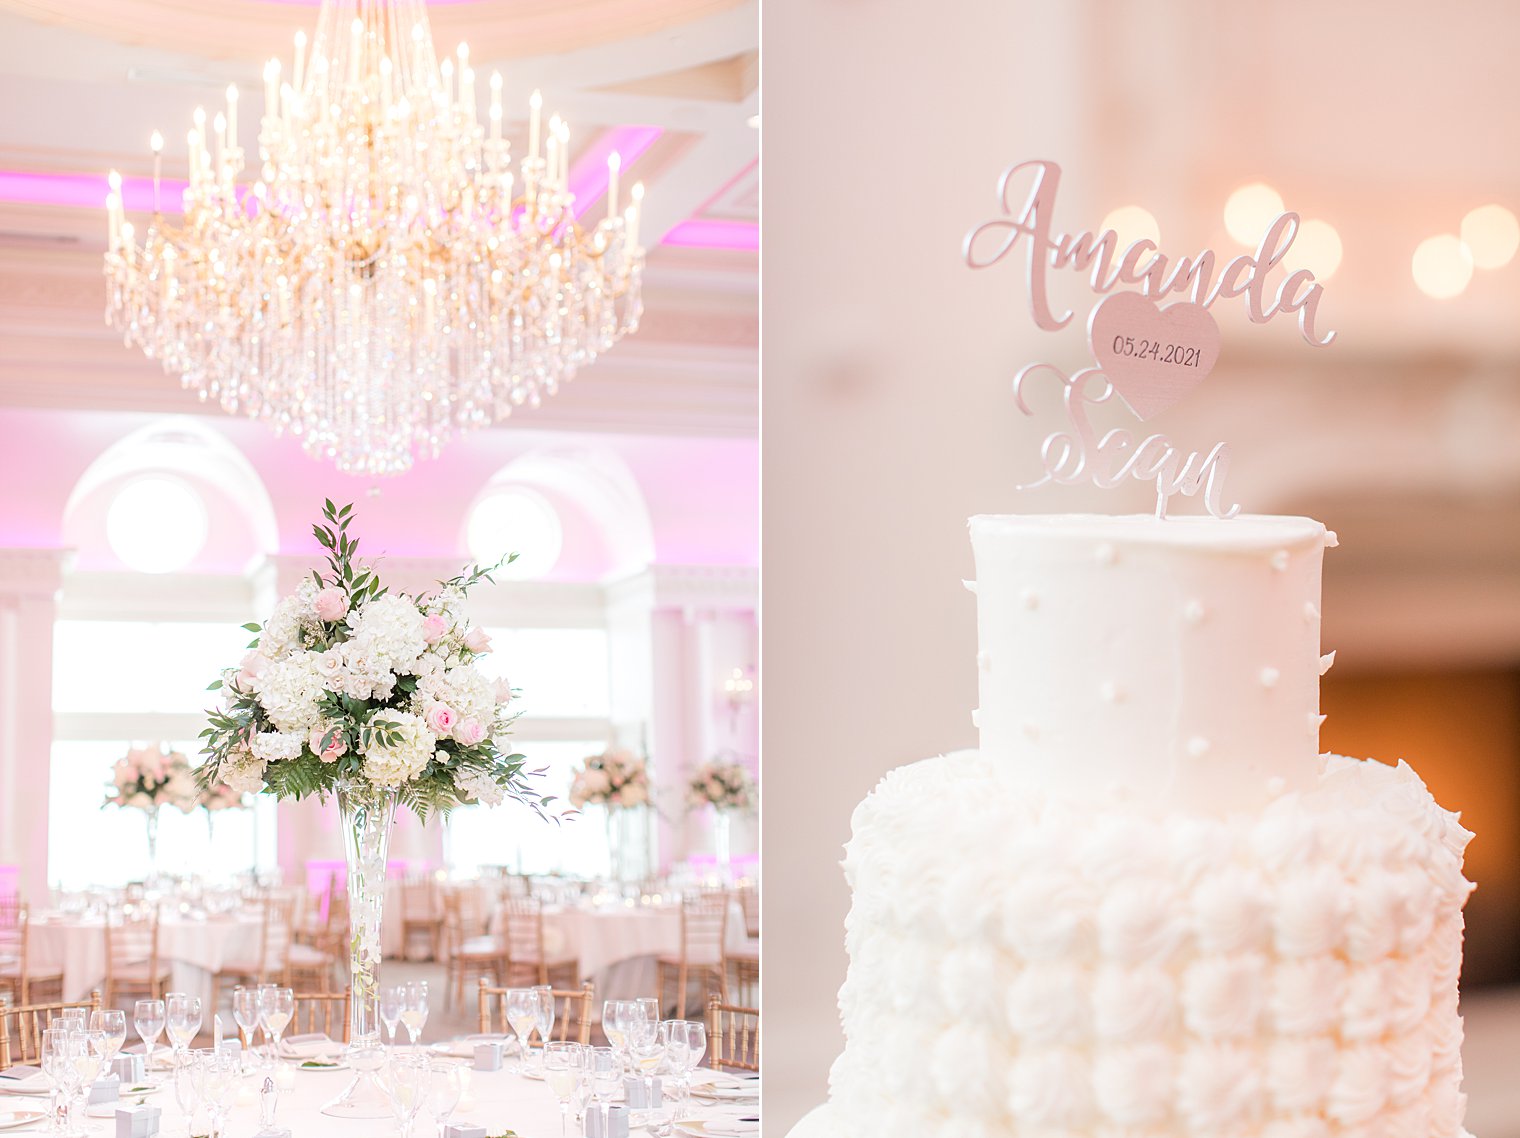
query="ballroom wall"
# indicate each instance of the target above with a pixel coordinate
(660, 548)
(889, 417)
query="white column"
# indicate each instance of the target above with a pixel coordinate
(30, 580)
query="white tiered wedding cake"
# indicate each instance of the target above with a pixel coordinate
(1147, 905)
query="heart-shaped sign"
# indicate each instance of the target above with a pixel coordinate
(1153, 356)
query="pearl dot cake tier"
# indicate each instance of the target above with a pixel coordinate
(1146, 906)
(1041, 964)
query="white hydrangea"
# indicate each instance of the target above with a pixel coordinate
(290, 690)
(282, 631)
(242, 772)
(391, 626)
(395, 765)
(470, 694)
(272, 746)
(481, 787)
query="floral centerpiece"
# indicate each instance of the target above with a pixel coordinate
(376, 697)
(727, 787)
(618, 781)
(613, 778)
(219, 796)
(148, 778)
(722, 785)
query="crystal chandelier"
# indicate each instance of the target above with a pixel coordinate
(389, 276)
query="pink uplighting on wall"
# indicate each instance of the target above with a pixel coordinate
(714, 233)
(588, 176)
(88, 191)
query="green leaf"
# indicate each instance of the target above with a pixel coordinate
(213, 685)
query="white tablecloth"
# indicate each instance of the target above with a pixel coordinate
(192, 949)
(498, 1099)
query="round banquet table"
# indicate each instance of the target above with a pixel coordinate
(191, 948)
(499, 1100)
(617, 944)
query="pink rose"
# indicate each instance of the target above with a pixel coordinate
(334, 750)
(254, 665)
(476, 640)
(440, 718)
(503, 691)
(331, 604)
(434, 626)
(469, 732)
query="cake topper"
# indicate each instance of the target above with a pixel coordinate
(1149, 356)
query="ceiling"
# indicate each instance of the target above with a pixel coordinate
(83, 85)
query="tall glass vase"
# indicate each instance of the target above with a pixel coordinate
(151, 815)
(367, 812)
(723, 843)
(617, 854)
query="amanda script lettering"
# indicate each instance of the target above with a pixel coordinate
(1142, 263)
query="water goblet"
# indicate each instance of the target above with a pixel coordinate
(414, 1010)
(265, 993)
(392, 1003)
(183, 1018)
(673, 1033)
(647, 1008)
(522, 1017)
(615, 1016)
(562, 1071)
(148, 1017)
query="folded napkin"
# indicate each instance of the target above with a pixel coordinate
(24, 1080)
(733, 1124)
(308, 1046)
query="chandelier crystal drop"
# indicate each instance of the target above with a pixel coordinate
(384, 274)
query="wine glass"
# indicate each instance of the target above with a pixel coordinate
(445, 1085)
(245, 1011)
(392, 1002)
(414, 1010)
(522, 1017)
(614, 1022)
(59, 1069)
(148, 1018)
(645, 1050)
(606, 1076)
(113, 1024)
(673, 1033)
(219, 1077)
(276, 1007)
(183, 1018)
(187, 1086)
(264, 993)
(562, 1071)
(696, 1043)
(545, 1017)
(405, 1082)
(647, 1009)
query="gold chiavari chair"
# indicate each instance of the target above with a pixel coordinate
(571, 1006)
(267, 958)
(746, 960)
(733, 1036)
(471, 955)
(20, 978)
(322, 1011)
(421, 914)
(21, 1027)
(133, 966)
(529, 961)
(704, 931)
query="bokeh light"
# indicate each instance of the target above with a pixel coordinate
(1132, 223)
(1249, 211)
(1492, 235)
(1442, 266)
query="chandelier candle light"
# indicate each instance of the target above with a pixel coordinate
(389, 276)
